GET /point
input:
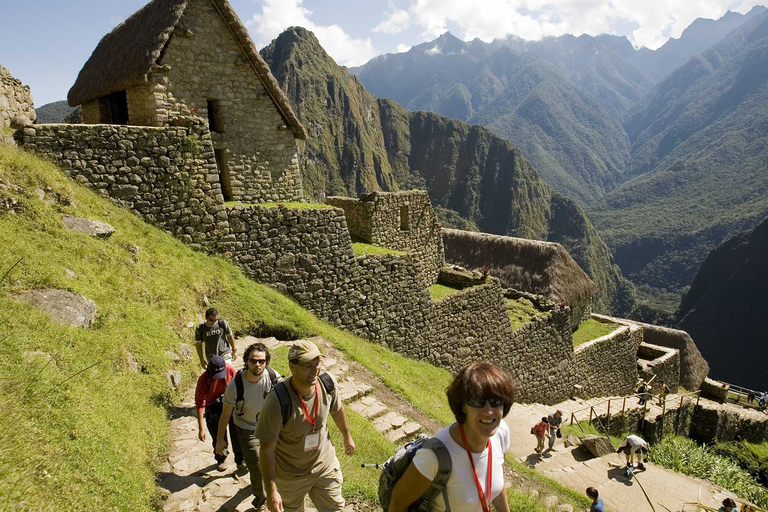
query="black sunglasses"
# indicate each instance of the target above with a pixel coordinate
(480, 402)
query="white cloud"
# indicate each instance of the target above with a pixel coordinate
(402, 48)
(655, 20)
(435, 50)
(396, 22)
(277, 15)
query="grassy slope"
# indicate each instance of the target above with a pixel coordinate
(91, 440)
(590, 330)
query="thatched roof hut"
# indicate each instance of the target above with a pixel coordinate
(124, 58)
(542, 268)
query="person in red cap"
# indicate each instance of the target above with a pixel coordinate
(297, 457)
(208, 400)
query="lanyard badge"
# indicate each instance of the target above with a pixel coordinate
(484, 503)
(311, 441)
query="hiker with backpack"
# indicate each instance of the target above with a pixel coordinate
(297, 457)
(461, 469)
(214, 337)
(243, 401)
(209, 402)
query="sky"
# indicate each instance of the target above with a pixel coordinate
(46, 42)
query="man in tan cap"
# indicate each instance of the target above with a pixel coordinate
(297, 457)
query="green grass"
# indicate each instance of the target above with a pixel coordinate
(685, 456)
(521, 311)
(439, 292)
(590, 330)
(291, 205)
(361, 248)
(584, 428)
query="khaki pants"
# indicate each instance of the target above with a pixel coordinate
(540, 443)
(324, 490)
(250, 447)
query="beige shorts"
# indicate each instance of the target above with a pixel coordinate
(324, 490)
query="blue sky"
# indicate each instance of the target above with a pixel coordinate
(46, 42)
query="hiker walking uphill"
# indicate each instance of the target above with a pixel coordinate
(479, 396)
(554, 420)
(541, 431)
(209, 403)
(244, 397)
(297, 457)
(214, 337)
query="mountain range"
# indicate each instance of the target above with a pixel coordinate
(358, 143)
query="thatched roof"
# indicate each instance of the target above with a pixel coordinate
(543, 268)
(125, 56)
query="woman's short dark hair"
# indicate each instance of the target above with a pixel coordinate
(592, 493)
(728, 502)
(258, 347)
(483, 381)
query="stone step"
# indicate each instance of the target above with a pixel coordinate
(368, 407)
(389, 421)
(407, 430)
(349, 391)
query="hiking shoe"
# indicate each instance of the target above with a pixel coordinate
(258, 503)
(242, 466)
(641, 466)
(222, 466)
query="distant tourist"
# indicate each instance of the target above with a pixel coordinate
(297, 457)
(663, 392)
(480, 396)
(555, 421)
(214, 337)
(209, 403)
(642, 391)
(751, 397)
(597, 501)
(245, 396)
(634, 445)
(762, 400)
(728, 505)
(541, 431)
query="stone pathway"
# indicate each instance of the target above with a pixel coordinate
(575, 467)
(189, 477)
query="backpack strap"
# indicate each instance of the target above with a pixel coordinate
(284, 399)
(240, 392)
(439, 483)
(327, 382)
(273, 377)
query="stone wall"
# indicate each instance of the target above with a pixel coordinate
(715, 390)
(404, 221)
(606, 365)
(714, 422)
(664, 363)
(15, 100)
(166, 175)
(203, 61)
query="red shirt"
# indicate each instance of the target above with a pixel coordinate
(541, 428)
(204, 394)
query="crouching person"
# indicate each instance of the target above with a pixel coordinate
(297, 457)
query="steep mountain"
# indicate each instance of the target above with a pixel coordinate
(699, 157)
(724, 310)
(697, 37)
(53, 112)
(577, 145)
(358, 143)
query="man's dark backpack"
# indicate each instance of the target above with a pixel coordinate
(394, 468)
(281, 390)
(273, 377)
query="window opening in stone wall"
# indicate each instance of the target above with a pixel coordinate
(221, 163)
(215, 121)
(113, 108)
(405, 220)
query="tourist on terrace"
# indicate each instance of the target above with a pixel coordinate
(642, 391)
(597, 501)
(555, 421)
(663, 392)
(480, 396)
(541, 431)
(634, 445)
(214, 337)
(728, 505)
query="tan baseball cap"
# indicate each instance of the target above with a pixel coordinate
(304, 351)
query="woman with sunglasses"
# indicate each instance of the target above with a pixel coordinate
(479, 396)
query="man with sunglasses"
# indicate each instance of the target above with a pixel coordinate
(297, 457)
(254, 383)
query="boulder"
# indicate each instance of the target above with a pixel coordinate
(185, 352)
(572, 440)
(174, 378)
(598, 446)
(88, 227)
(63, 306)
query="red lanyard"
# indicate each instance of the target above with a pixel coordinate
(483, 503)
(311, 419)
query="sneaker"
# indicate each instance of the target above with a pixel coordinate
(222, 466)
(258, 503)
(242, 466)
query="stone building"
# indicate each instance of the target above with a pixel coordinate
(15, 102)
(174, 60)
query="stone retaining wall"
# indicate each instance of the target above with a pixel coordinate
(606, 365)
(693, 367)
(713, 422)
(15, 100)
(664, 363)
(715, 390)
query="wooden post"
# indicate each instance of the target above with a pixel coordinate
(571, 418)
(609, 410)
(591, 410)
(623, 405)
(663, 411)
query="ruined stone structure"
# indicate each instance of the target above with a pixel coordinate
(661, 362)
(191, 88)
(15, 101)
(404, 221)
(180, 58)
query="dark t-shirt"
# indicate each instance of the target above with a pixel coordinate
(214, 338)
